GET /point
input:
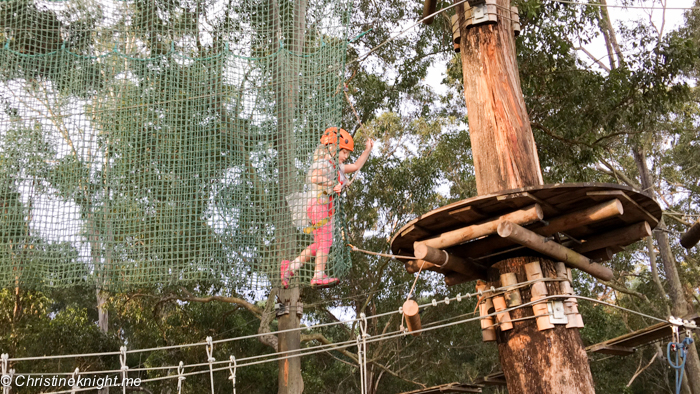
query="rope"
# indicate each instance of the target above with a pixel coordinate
(210, 359)
(75, 376)
(392, 38)
(377, 338)
(232, 377)
(362, 353)
(459, 297)
(625, 6)
(124, 369)
(680, 349)
(391, 256)
(410, 292)
(180, 377)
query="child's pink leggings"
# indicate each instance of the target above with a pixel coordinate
(323, 236)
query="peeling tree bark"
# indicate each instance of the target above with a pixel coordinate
(503, 147)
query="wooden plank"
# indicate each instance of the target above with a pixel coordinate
(468, 215)
(415, 232)
(494, 379)
(634, 212)
(448, 388)
(616, 350)
(549, 209)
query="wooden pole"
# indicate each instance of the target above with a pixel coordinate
(447, 261)
(505, 157)
(540, 244)
(691, 237)
(622, 236)
(564, 222)
(455, 237)
(412, 314)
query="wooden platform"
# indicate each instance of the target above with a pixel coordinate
(554, 200)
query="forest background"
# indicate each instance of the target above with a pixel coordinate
(628, 117)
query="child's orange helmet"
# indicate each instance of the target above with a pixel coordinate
(330, 136)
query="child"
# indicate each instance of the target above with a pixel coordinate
(325, 179)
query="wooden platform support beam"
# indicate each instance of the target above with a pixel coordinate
(446, 261)
(600, 255)
(691, 237)
(523, 216)
(622, 236)
(583, 217)
(561, 223)
(455, 278)
(552, 249)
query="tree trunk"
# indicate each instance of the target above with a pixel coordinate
(679, 305)
(503, 147)
(505, 157)
(549, 361)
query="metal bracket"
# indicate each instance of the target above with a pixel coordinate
(283, 309)
(557, 313)
(480, 11)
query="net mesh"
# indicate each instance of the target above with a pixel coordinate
(161, 142)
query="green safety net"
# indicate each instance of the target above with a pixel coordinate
(151, 143)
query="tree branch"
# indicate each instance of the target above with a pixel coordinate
(623, 289)
(639, 371)
(617, 173)
(230, 300)
(268, 315)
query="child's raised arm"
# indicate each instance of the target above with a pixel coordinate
(357, 165)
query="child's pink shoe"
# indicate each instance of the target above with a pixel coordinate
(324, 282)
(285, 273)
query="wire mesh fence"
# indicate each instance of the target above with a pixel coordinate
(159, 142)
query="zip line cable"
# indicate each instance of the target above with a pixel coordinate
(481, 294)
(626, 6)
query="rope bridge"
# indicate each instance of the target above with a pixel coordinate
(150, 143)
(177, 375)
